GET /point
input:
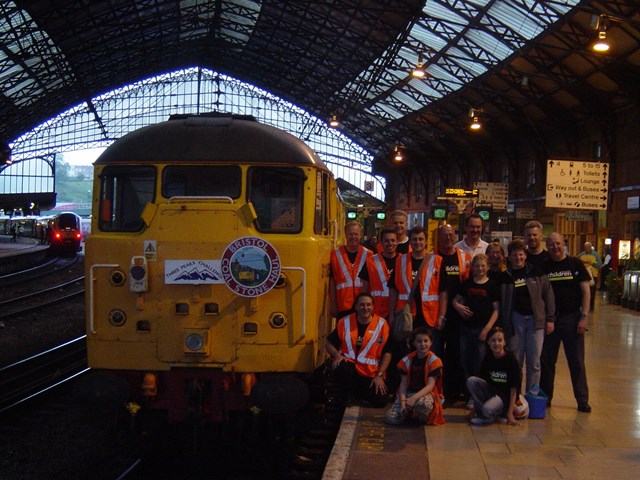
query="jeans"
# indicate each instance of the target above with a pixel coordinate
(527, 341)
(485, 401)
(471, 350)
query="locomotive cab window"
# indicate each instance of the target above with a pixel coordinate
(124, 193)
(276, 194)
(202, 181)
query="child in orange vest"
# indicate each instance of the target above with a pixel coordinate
(420, 392)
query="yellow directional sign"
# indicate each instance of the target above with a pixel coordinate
(577, 185)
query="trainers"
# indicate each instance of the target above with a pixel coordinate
(502, 419)
(481, 421)
(584, 407)
(469, 405)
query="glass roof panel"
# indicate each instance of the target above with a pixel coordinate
(425, 88)
(35, 65)
(459, 40)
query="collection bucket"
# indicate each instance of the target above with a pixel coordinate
(537, 403)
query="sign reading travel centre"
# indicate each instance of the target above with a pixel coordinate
(577, 185)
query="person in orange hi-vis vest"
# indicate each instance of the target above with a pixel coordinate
(429, 302)
(420, 393)
(346, 263)
(359, 350)
(378, 269)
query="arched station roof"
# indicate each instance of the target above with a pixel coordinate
(524, 65)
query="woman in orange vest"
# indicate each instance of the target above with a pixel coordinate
(420, 393)
(359, 353)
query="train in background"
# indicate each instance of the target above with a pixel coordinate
(63, 231)
(207, 267)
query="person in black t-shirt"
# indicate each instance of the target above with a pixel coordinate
(477, 303)
(570, 282)
(533, 237)
(496, 388)
(528, 310)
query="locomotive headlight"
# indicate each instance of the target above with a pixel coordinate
(117, 317)
(117, 278)
(196, 340)
(278, 320)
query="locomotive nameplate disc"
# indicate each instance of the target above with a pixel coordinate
(250, 266)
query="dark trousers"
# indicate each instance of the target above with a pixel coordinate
(453, 381)
(592, 303)
(566, 332)
(357, 387)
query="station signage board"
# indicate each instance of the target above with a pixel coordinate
(578, 216)
(577, 185)
(525, 213)
(495, 193)
(460, 192)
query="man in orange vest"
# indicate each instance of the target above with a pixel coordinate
(457, 265)
(359, 353)
(346, 263)
(429, 303)
(378, 269)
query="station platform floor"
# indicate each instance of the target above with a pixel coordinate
(566, 445)
(9, 248)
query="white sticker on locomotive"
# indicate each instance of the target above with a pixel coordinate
(192, 272)
(250, 266)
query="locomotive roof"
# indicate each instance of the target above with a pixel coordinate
(210, 139)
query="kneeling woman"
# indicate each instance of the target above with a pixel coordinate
(495, 391)
(420, 392)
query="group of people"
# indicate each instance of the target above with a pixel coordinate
(479, 315)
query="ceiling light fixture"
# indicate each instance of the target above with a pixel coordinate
(418, 71)
(334, 122)
(397, 154)
(601, 45)
(474, 114)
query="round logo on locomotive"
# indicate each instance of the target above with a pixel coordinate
(250, 266)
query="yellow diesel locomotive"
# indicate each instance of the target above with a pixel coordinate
(208, 262)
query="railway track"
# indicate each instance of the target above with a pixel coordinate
(51, 267)
(42, 298)
(35, 375)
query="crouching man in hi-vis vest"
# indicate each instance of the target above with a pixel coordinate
(359, 353)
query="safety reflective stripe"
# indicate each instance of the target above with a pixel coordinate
(362, 356)
(350, 353)
(363, 258)
(346, 271)
(382, 275)
(407, 363)
(427, 282)
(405, 281)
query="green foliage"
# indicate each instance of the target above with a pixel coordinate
(613, 284)
(74, 189)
